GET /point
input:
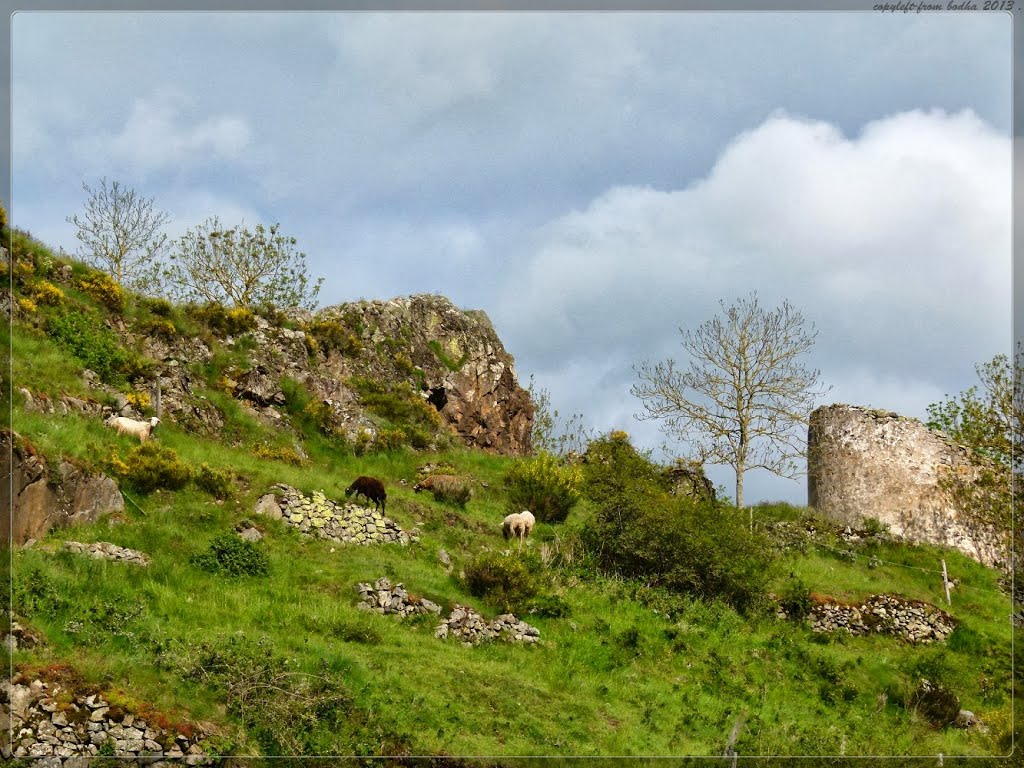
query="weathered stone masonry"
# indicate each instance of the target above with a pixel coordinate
(863, 463)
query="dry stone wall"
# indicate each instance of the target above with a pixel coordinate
(865, 463)
(912, 620)
(57, 727)
(316, 515)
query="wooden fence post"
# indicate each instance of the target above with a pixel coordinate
(945, 582)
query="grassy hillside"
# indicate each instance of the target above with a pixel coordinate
(286, 664)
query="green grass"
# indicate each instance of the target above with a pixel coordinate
(618, 674)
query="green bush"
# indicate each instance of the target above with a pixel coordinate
(638, 530)
(796, 600)
(506, 581)
(157, 327)
(151, 467)
(545, 486)
(458, 494)
(156, 306)
(231, 555)
(220, 319)
(332, 333)
(96, 346)
(215, 482)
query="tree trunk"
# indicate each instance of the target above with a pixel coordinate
(739, 487)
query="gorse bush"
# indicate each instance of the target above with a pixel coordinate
(220, 319)
(151, 467)
(215, 482)
(333, 334)
(231, 555)
(545, 486)
(45, 292)
(102, 288)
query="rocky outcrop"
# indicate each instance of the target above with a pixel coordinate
(455, 356)
(382, 597)
(471, 628)
(104, 550)
(864, 463)
(44, 498)
(55, 726)
(912, 620)
(318, 516)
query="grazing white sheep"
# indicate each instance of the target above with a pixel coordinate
(518, 524)
(141, 429)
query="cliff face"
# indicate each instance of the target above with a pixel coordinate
(42, 498)
(865, 463)
(453, 360)
(453, 357)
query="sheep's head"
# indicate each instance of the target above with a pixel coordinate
(154, 421)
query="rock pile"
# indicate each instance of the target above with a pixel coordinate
(912, 620)
(383, 598)
(19, 637)
(107, 551)
(56, 727)
(317, 515)
(470, 627)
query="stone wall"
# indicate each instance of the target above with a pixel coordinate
(864, 463)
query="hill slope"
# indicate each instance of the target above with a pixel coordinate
(279, 659)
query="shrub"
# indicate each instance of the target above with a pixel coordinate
(95, 345)
(218, 318)
(796, 600)
(138, 400)
(638, 530)
(938, 704)
(503, 580)
(156, 306)
(47, 293)
(101, 287)
(27, 305)
(151, 467)
(545, 486)
(157, 327)
(215, 482)
(331, 333)
(278, 453)
(231, 555)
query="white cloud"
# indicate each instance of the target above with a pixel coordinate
(159, 133)
(894, 243)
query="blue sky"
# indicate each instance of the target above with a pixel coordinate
(593, 181)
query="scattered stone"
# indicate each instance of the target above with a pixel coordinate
(383, 598)
(107, 551)
(471, 628)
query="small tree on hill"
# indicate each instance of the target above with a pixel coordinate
(121, 234)
(243, 267)
(744, 392)
(986, 420)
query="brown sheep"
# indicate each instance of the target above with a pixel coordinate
(440, 482)
(371, 488)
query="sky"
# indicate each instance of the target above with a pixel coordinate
(595, 182)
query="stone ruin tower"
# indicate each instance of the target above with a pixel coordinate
(865, 463)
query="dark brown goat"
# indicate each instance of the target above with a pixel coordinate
(371, 488)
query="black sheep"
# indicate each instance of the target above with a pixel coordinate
(371, 488)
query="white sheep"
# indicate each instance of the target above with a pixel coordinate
(518, 524)
(125, 426)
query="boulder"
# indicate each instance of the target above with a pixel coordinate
(44, 498)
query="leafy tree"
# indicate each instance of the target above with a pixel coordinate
(121, 234)
(987, 420)
(744, 392)
(240, 266)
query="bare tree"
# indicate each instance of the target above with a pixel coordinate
(744, 393)
(121, 234)
(242, 267)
